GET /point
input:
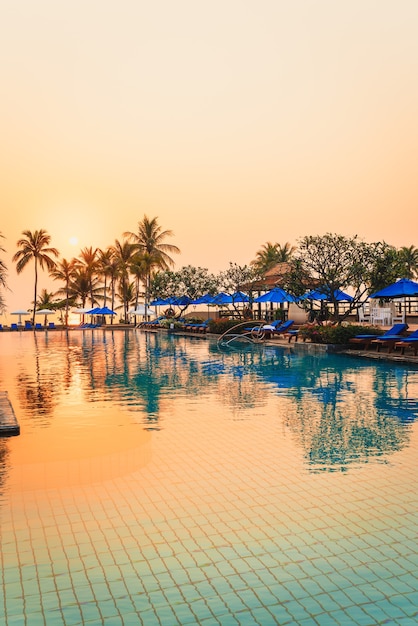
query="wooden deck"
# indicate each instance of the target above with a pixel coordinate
(8, 423)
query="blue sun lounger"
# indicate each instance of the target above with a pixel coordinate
(394, 332)
(409, 341)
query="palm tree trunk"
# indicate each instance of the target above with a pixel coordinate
(35, 295)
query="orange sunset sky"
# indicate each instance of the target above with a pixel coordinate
(234, 122)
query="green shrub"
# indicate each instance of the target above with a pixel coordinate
(171, 320)
(339, 334)
(219, 326)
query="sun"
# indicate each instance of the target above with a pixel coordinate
(73, 241)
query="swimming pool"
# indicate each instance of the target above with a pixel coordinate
(159, 480)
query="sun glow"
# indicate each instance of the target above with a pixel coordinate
(73, 241)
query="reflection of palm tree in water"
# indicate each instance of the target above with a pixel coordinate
(4, 465)
(338, 425)
(37, 393)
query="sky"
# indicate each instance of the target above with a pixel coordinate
(234, 122)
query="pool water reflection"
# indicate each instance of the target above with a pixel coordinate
(158, 480)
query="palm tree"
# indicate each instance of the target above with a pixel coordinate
(123, 252)
(89, 261)
(139, 271)
(82, 286)
(104, 268)
(266, 257)
(3, 276)
(149, 241)
(35, 245)
(64, 271)
(285, 252)
(270, 254)
(409, 258)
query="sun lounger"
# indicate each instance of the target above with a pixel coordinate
(388, 339)
(366, 339)
(14, 326)
(277, 331)
(409, 341)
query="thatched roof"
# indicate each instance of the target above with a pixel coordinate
(274, 277)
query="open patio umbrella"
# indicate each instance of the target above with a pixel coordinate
(20, 312)
(206, 299)
(275, 295)
(45, 312)
(140, 310)
(104, 310)
(317, 294)
(401, 289)
(221, 298)
(159, 302)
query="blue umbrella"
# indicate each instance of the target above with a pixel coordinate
(401, 289)
(240, 296)
(104, 311)
(275, 295)
(160, 302)
(206, 299)
(317, 294)
(222, 298)
(180, 301)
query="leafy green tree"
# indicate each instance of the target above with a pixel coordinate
(35, 246)
(334, 262)
(189, 281)
(238, 278)
(386, 268)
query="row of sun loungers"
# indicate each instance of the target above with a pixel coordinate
(29, 326)
(395, 338)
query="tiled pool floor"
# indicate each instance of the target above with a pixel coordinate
(213, 516)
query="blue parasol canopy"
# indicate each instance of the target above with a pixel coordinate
(160, 302)
(104, 310)
(317, 294)
(180, 301)
(206, 299)
(275, 295)
(401, 289)
(222, 298)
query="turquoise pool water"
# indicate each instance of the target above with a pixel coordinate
(158, 480)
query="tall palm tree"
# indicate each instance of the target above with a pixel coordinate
(139, 272)
(266, 257)
(149, 241)
(104, 268)
(35, 245)
(409, 257)
(270, 254)
(123, 252)
(64, 271)
(82, 287)
(3, 277)
(89, 260)
(285, 252)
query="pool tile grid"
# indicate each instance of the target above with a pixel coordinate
(175, 543)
